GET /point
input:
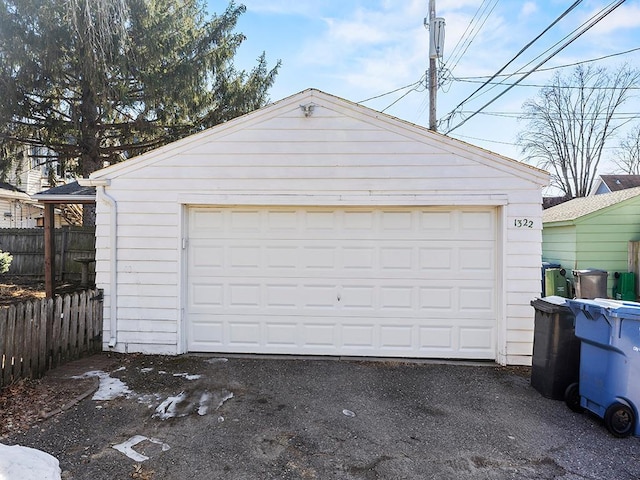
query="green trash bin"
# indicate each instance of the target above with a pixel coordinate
(555, 283)
(625, 287)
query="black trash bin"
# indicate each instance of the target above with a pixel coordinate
(556, 349)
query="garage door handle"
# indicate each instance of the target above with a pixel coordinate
(338, 297)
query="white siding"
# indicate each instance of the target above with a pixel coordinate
(18, 214)
(342, 155)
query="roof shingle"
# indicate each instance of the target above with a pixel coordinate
(579, 207)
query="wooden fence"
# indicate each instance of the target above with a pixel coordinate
(26, 245)
(40, 335)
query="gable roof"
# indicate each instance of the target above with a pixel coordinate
(71, 192)
(315, 98)
(580, 207)
(9, 191)
(620, 182)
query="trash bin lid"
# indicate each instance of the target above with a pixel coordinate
(550, 304)
(590, 271)
(607, 307)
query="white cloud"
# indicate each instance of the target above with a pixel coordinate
(372, 50)
(625, 17)
(528, 9)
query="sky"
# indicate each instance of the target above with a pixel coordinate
(359, 49)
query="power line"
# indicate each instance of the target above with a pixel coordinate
(393, 91)
(562, 87)
(397, 100)
(594, 20)
(486, 17)
(463, 36)
(485, 140)
(546, 69)
(612, 6)
(619, 115)
(522, 50)
(512, 144)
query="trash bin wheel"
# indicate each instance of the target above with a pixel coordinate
(572, 398)
(619, 420)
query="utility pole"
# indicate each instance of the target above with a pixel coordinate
(436, 46)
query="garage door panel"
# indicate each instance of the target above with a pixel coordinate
(281, 295)
(476, 339)
(352, 281)
(432, 299)
(395, 337)
(244, 333)
(206, 295)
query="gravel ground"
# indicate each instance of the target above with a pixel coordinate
(205, 417)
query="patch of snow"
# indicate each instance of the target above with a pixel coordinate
(188, 376)
(24, 463)
(146, 370)
(226, 396)
(217, 360)
(109, 388)
(120, 369)
(168, 408)
(127, 447)
(203, 408)
(149, 399)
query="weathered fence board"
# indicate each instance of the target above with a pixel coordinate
(26, 245)
(41, 335)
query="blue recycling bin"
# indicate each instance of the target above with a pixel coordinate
(609, 386)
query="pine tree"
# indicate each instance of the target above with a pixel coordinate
(100, 81)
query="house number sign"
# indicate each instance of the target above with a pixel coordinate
(523, 223)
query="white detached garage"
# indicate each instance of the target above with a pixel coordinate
(318, 226)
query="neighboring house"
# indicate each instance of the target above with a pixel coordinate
(614, 183)
(593, 232)
(548, 202)
(17, 210)
(30, 173)
(318, 226)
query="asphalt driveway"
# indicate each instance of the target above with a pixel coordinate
(203, 417)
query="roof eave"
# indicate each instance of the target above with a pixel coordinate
(64, 198)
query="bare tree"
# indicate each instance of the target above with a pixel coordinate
(570, 122)
(629, 153)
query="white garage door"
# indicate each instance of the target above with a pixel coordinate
(410, 282)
